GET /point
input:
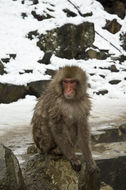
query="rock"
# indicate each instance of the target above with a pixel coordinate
(114, 7)
(122, 128)
(26, 71)
(10, 173)
(50, 72)
(32, 34)
(102, 92)
(109, 134)
(110, 155)
(105, 187)
(97, 54)
(9, 56)
(119, 9)
(10, 93)
(103, 76)
(40, 17)
(46, 58)
(113, 171)
(55, 173)
(5, 60)
(112, 26)
(112, 68)
(1, 68)
(36, 88)
(24, 15)
(68, 41)
(35, 2)
(12, 55)
(86, 14)
(114, 81)
(69, 13)
(123, 40)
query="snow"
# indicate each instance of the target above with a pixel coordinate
(13, 40)
(104, 112)
(16, 114)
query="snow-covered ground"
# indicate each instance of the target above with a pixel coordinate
(17, 115)
(13, 31)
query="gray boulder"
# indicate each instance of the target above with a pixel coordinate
(36, 88)
(68, 41)
(55, 173)
(10, 93)
(10, 172)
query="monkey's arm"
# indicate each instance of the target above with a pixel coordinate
(63, 141)
(85, 145)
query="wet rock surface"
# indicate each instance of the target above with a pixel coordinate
(109, 134)
(109, 150)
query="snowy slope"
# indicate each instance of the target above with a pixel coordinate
(13, 31)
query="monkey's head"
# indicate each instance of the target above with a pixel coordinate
(70, 82)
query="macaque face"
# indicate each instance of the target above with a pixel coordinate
(69, 86)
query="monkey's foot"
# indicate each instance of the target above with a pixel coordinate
(76, 164)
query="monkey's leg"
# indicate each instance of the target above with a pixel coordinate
(85, 145)
(63, 141)
(43, 139)
(56, 151)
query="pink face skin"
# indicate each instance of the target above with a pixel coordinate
(69, 85)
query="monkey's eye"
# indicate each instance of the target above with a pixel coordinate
(65, 81)
(73, 81)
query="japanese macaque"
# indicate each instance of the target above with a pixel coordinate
(61, 117)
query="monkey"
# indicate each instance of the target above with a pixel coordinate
(60, 118)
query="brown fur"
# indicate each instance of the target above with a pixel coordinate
(58, 122)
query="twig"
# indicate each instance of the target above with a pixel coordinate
(109, 42)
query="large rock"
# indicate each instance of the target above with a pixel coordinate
(37, 88)
(111, 159)
(55, 173)
(113, 172)
(10, 93)
(68, 41)
(114, 7)
(109, 134)
(10, 172)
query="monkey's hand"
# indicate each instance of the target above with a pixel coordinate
(93, 168)
(76, 164)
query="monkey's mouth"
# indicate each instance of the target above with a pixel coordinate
(69, 96)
